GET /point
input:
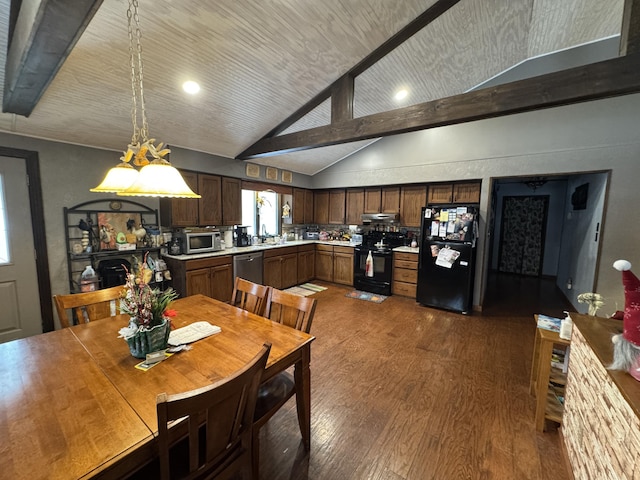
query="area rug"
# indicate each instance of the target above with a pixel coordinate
(369, 297)
(305, 289)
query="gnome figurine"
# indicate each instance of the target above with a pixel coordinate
(626, 346)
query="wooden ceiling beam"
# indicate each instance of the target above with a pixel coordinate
(619, 76)
(42, 36)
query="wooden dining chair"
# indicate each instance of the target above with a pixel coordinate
(250, 296)
(219, 422)
(297, 312)
(88, 306)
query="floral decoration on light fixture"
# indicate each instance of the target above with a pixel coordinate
(594, 300)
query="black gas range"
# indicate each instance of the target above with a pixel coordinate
(380, 245)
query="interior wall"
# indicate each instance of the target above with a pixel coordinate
(581, 242)
(69, 171)
(586, 137)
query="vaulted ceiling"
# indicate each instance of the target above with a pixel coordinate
(260, 62)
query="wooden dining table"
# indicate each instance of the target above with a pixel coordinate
(73, 405)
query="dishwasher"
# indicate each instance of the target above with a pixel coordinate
(248, 266)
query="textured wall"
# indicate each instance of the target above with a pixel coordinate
(581, 138)
(601, 431)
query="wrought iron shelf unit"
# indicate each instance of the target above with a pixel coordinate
(110, 215)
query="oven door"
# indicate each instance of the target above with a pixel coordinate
(380, 283)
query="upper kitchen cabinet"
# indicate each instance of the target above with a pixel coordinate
(372, 200)
(382, 200)
(220, 203)
(321, 207)
(440, 193)
(231, 201)
(412, 199)
(298, 207)
(355, 205)
(466, 192)
(181, 212)
(210, 205)
(308, 206)
(337, 205)
(390, 200)
(302, 207)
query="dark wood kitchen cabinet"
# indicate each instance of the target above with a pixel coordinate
(466, 193)
(343, 265)
(190, 212)
(181, 212)
(390, 200)
(211, 276)
(298, 207)
(337, 205)
(302, 206)
(306, 263)
(382, 200)
(372, 200)
(280, 267)
(334, 264)
(321, 207)
(355, 206)
(324, 262)
(210, 205)
(412, 199)
(440, 193)
(231, 201)
(308, 206)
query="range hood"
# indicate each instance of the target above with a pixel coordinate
(368, 218)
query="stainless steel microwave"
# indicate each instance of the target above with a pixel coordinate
(201, 242)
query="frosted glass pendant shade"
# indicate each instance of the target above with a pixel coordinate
(159, 179)
(118, 179)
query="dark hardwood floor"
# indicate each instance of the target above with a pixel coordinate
(401, 391)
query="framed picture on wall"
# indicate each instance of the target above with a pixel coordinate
(272, 173)
(287, 177)
(253, 170)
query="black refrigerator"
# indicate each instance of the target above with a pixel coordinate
(447, 257)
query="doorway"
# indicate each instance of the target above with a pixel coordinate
(522, 234)
(32, 219)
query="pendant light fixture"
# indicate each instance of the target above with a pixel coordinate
(157, 177)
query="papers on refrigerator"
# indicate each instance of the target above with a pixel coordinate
(447, 257)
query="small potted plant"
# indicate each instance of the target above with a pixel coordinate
(150, 319)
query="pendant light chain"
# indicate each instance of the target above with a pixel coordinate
(156, 178)
(140, 135)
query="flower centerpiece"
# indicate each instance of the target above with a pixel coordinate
(150, 319)
(594, 300)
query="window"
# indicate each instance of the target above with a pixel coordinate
(4, 226)
(260, 212)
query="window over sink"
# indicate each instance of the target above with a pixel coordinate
(260, 212)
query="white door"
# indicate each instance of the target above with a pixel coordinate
(19, 294)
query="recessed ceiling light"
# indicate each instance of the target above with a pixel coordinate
(401, 94)
(191, 87)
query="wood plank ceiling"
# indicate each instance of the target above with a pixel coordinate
(260, 62)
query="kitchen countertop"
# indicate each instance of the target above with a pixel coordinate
(407, 249)
(256, 248)
(267, 246)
